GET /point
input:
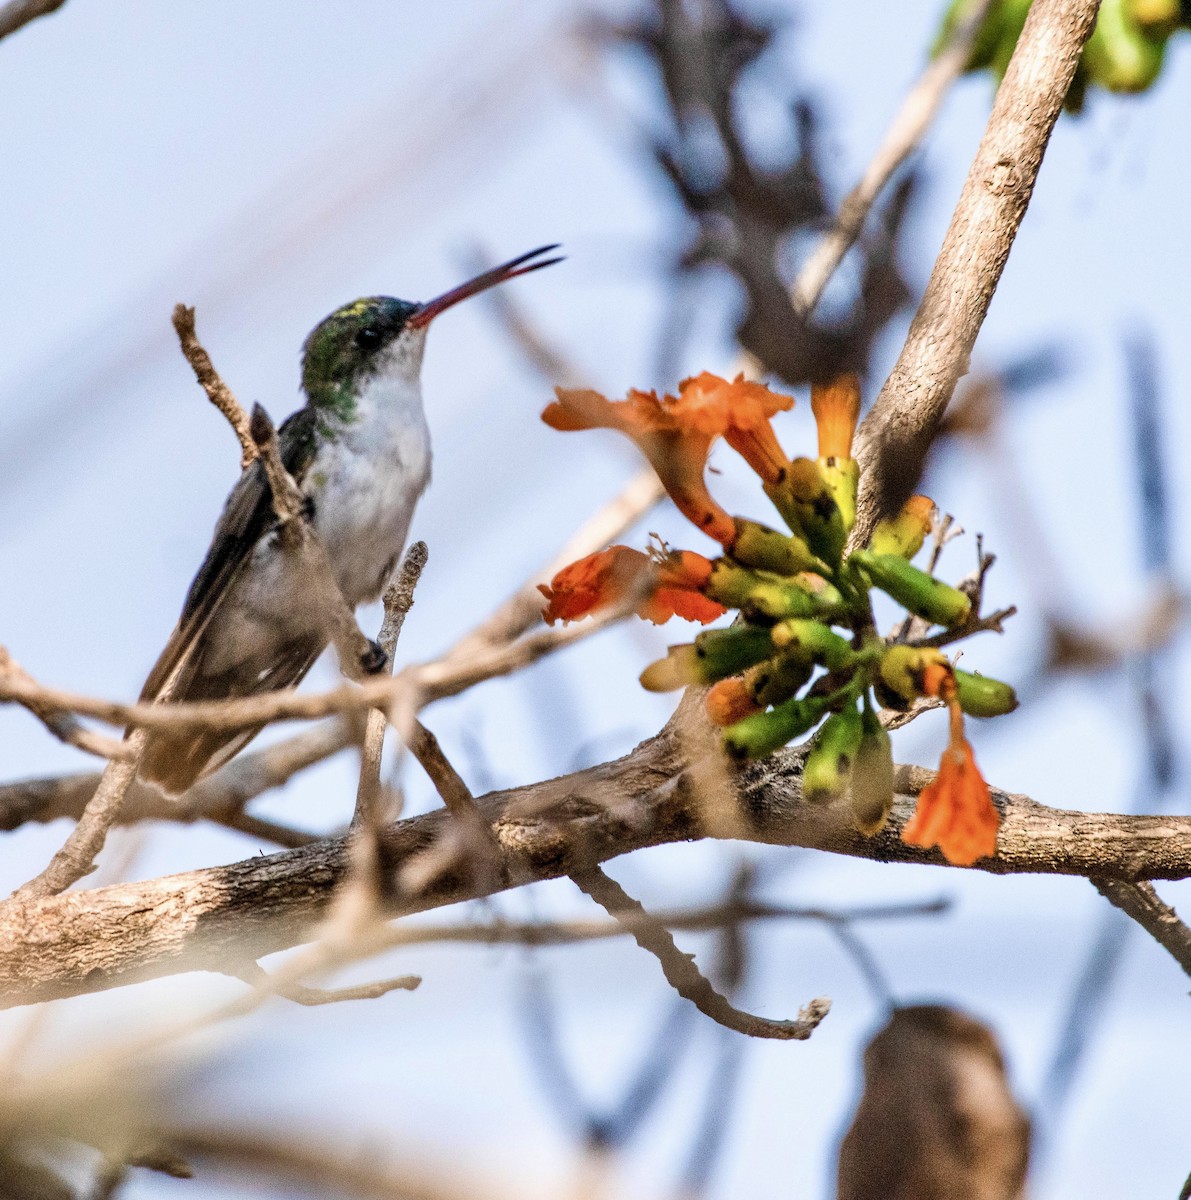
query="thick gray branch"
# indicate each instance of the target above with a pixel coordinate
(897, 433)
(219, 917)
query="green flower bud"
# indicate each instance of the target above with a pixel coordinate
(904, 534)
(872, 777)
(1119, 56)
(816, 641)
(759, 546)
(842, 476)
(915, 590)
(779, 677)
(805, 500)
(829, 763)
(763, 733)
(983, 696)
(901, 676)
(800, 596)
(715, 655)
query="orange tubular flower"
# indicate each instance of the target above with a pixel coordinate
(612, 576)
(836, 406)
(956, 811)
(741, 411)
(676, 434)
(681, 577)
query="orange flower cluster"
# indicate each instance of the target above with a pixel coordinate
(791, 590)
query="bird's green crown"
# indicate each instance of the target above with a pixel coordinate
(343, 350)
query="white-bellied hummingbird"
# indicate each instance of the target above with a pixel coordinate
(359, 451)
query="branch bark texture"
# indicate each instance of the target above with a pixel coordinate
(896, 435)
(218, 917)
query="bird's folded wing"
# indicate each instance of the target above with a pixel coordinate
(246, 517)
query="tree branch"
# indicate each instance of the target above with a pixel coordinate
(897, 433)
(88, 941)
(20, 12)
(1145, 906)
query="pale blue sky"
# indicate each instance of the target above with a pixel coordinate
(267, 164)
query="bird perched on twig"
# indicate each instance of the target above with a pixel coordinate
(359, 451)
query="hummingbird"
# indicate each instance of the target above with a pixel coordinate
(359, 451)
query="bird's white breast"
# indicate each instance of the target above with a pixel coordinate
(365, 482)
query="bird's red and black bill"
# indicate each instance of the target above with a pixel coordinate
(522, 265)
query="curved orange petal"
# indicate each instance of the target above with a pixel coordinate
(955, 812)
(594, 582)
(836, 406)
(740, 411)
(669, 602)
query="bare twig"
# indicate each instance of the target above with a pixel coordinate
(263, 830)
(897, 433)
(398, 600)
(680, 970)
(695, 920)
(211, 382)
(1159, 920)
(20, 12)
(76, 857)
(65, 727)
(318, 1170)
(906, 130)
(431, 681)
(310, 997)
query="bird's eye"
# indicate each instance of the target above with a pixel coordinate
(368, 338)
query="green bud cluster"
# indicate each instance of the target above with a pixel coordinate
(1124, 54)
(804, 651)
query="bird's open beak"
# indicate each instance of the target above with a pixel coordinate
(481, 283)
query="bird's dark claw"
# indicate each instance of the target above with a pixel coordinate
(374, 659)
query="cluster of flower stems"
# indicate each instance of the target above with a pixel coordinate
(803, 650)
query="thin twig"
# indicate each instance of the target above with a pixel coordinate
(398, 600)
(65, 727)
(20, 12)
(263, 830)
(1159, 920)
(76, 857)
(680, 970)
(310, 997)
(212, 383)
(431, 681)
(894, 438)
(905, 131)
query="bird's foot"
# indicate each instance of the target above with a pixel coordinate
(374, 660)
